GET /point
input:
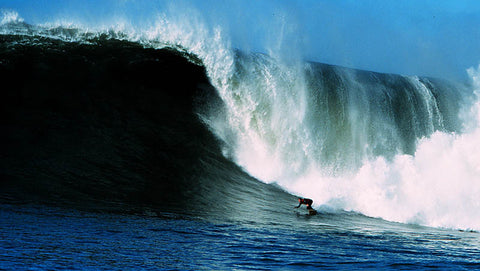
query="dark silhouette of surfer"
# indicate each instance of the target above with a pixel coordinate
(305, 201)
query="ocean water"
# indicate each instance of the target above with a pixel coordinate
(46, 238)
(155, 148)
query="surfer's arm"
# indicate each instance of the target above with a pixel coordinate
(298, 205)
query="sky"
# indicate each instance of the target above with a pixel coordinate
(437, 38)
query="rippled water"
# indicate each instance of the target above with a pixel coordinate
(37, 237)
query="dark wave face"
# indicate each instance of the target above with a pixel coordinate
(110, 122)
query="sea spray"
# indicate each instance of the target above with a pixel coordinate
(9, 17)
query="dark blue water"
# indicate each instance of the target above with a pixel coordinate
(46, 238)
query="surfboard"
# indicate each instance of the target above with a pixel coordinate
(308, 213)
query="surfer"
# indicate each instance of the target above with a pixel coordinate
(305, 201)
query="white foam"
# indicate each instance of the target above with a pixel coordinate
(10, 16)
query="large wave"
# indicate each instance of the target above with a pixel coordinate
(403, 148)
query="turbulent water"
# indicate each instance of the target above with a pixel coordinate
(168, 142)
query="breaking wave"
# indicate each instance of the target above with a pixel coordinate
(402, 148)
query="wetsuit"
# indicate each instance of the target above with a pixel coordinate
(307, 202)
